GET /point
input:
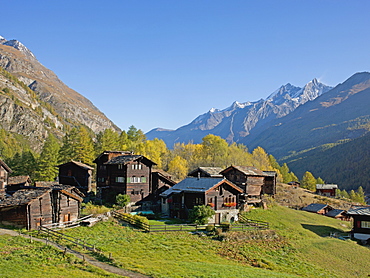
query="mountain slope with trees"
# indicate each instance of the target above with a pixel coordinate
(34, 101)
(304, 138)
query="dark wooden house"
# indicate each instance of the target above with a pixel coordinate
(361, 222)
(218, 193)
(338, 214)
(318, 208)
(328, 190)
(161, 181)
(32, 207)
(250, 179)
(4, 177)
(76, 174)
(123, 173)
(206, 172)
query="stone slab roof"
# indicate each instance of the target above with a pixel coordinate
(359, 210)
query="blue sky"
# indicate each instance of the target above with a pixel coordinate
(154, 63)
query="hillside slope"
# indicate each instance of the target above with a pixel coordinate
(339, 116)
(65, 107)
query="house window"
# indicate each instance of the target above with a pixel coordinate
(69, 174)
(102, 167)
(120, 166)
(68, 201)
(198, 201)
(120, 179)
(365, 224)
(136, 166)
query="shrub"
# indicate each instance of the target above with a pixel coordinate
(200, 214)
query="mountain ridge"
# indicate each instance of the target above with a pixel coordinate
(236, 121)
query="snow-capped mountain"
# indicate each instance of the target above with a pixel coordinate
(17, 45)
(236, 121)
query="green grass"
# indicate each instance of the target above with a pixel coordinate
(298, 246)
(20, 258)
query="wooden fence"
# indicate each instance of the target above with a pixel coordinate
(74, 240)
(247, 225)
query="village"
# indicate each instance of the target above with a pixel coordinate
(24, 204)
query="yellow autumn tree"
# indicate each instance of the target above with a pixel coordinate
(178, 167)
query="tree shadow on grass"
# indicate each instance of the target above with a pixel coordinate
(323, 231)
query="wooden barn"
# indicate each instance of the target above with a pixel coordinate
(76, 174)
(206, 172)
(328, 190)
(318, 208)
(123, 173)
(4, 177)
(361, 222)
(218, 193)
(269, 185)
(18, 182)
(32, 207)
(250, 179)
(338, 214)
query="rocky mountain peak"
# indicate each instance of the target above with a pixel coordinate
(17, 45)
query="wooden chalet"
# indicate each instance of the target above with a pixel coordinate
(76, 174)
(250, 179)
(318, 208)
(328, 190)
(206, 172)
(32, 207)
(338, 214)
(4, 177)
(123, 173)
(294, 183)
(361, 222)
(218, 193)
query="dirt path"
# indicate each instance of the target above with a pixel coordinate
(87, 258)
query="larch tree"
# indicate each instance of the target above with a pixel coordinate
(107, 140)
(178, 167)
(48, 160)
(308, 181)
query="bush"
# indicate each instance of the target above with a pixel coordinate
(200, 214)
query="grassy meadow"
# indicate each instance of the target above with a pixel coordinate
(20, 258)
(298, 245)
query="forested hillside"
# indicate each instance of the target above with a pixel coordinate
(346, 163)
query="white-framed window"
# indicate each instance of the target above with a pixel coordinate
(136, 167)
(120, 179)
(365, 224)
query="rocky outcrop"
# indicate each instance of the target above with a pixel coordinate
(48, 105)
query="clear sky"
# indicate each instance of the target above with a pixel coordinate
(154, 63)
